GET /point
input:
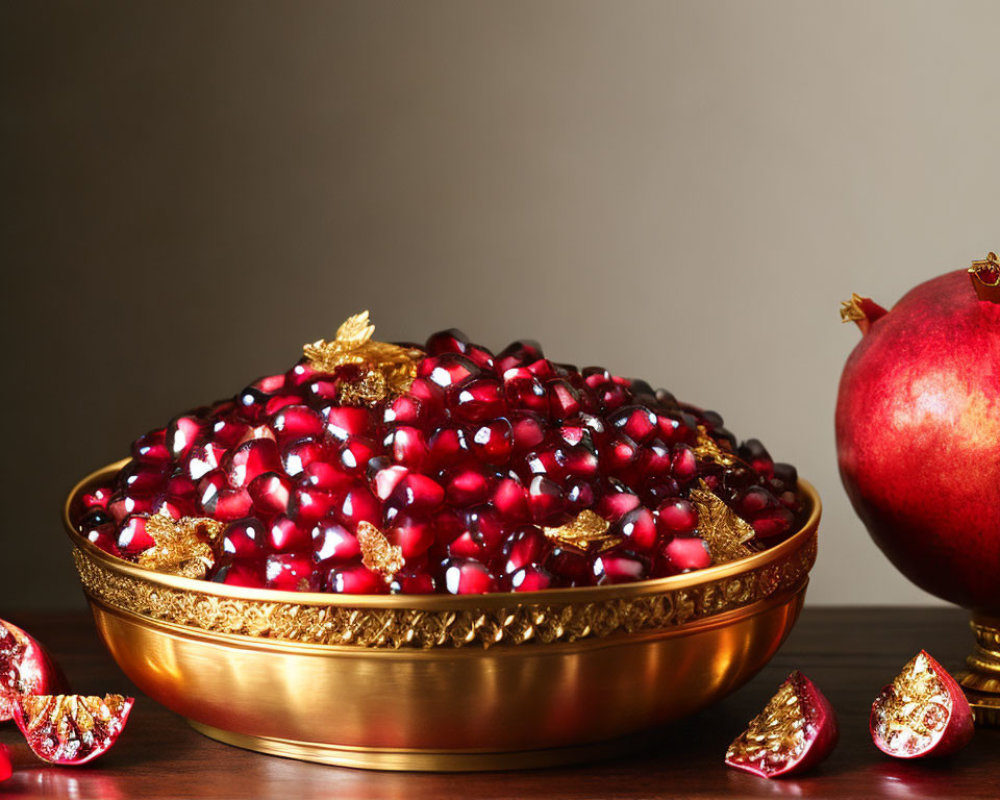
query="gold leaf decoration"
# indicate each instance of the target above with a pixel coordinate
(707, 449)
(588, 532)
(778, 729)
(377, 554)
(180, 547)
(723, 531)
(386, 369)
(850, 310)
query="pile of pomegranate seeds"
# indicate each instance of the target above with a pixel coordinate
(475, 476)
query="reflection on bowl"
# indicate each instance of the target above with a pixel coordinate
(436, 682)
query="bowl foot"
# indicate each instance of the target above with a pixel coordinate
(403, 760)
(981, 680)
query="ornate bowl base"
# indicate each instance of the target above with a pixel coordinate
(982, 679)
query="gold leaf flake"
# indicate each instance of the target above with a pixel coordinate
(707, 449)
(377, 554)
(779, 729)
(180, 547)
(723, 531)
(353, 345)
(588, 531)
(850, 310)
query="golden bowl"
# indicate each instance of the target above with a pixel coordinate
(444, 683)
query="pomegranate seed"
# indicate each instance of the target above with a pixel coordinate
(244, 538)
(639, 529)
(530, 578)
(688, 553)
(296, 421)
(248, 573)
(480, 356)
(523, 547)
(545, 500)
(517, 354)
(182, 434)
(564, 400)
(617, 502)
(528, 430)
(408, 582)
(773, 522)
(448, 369)
(465, 546)
(579, 496)
(404, 410)
(345, 422)
(620, 568)
(355, 454)
(324, 476)
(407, 446)
(358, 505)
(249, 460)
(132, 536)
(152, 448)
(284, 535)
(290, 572)
(492, 442)
(385, 480)
(300, 375)
(412, 534)
(136, 478)
(676, 516)
(232, 504)
(353, 580)
(569, 567)
(97, 497)
(511, 500)
(467, 576)
(228, 432)
(418, 492)
(297, 456)
(322, 391)
(467, 486)
(333, 543)
(636, 422)
(278, 403)
(522, 390)
(202, 459)
(619, 455)
(449, 341)
(430, 396)
(542, 368)
(269, 493)
(173, 507)
(309, 505)
(685, 464)
(477, 400)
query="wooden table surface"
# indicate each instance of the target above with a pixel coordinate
(849, 653)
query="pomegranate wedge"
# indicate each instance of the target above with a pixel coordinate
(796, 731)
(923, 712)
(71, 729)
(25, 668)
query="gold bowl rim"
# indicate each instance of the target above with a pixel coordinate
(438, 602)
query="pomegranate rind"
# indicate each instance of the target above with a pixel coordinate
(70, 730)
(6, 770)
(26, 668)
(932, 693)
(796, 731)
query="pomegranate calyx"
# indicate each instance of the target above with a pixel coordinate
(985, 276)
(923, 712)
(862, 311)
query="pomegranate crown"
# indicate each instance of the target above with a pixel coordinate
(985, 277)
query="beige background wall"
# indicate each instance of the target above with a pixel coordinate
(683, 191)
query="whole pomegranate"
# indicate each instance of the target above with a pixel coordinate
(918, 432)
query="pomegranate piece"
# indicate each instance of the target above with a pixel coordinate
(795, 731)
(25, 668)
(6, 770)
(923, 712)
(71, 729)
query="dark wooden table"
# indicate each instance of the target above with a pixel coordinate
(849, 653)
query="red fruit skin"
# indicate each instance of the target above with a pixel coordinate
(38, 672)
(6, 770)
(823, 730)
(918, 426)
(957, 733)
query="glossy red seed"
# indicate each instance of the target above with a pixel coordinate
(638, 528)
(685, 466)
(299, 375)
(385, 480)
(309, 505)
(296, 456)
(531, 578)
(355, 579)
(290, 572)
(517, 354)
(467, 576)
(137, 478)
(322, 391)
(619, 455)
(202, 459)
(249, 460)
(344, 422)
(492, 442)
(616, 504)
(244, 538)
(182, 434)
(413, 582)
(448, 446)
(413, 534)
(358, 505)
(96, 498)
(430, 396)
(449, 341)
(476, 400)
(407, 445)
(296, 421)
(285, 535)
(528, 430)
(579, 496)
(270, 493)
(564, 400)
(173, 507)
(228, 432)
(510, 499)
(637, 422)
(354, 455)
(417, 491)
(676, 516)
(249, 573)
(278, 403)
(545, 500)
(773, 522)
(524, 391)
(467, 486)
(448, 369)
(569, 567)
(233, 504)
(526, 545)
(121, 505)
(480, 356)
(132, 536)
(404, 410)
(332, 542)
(620, 568)
(688, 553)
(152, 448)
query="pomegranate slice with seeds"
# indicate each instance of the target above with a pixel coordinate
(796, 731)
(70, 729)
(25, 668)
(923, 712)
